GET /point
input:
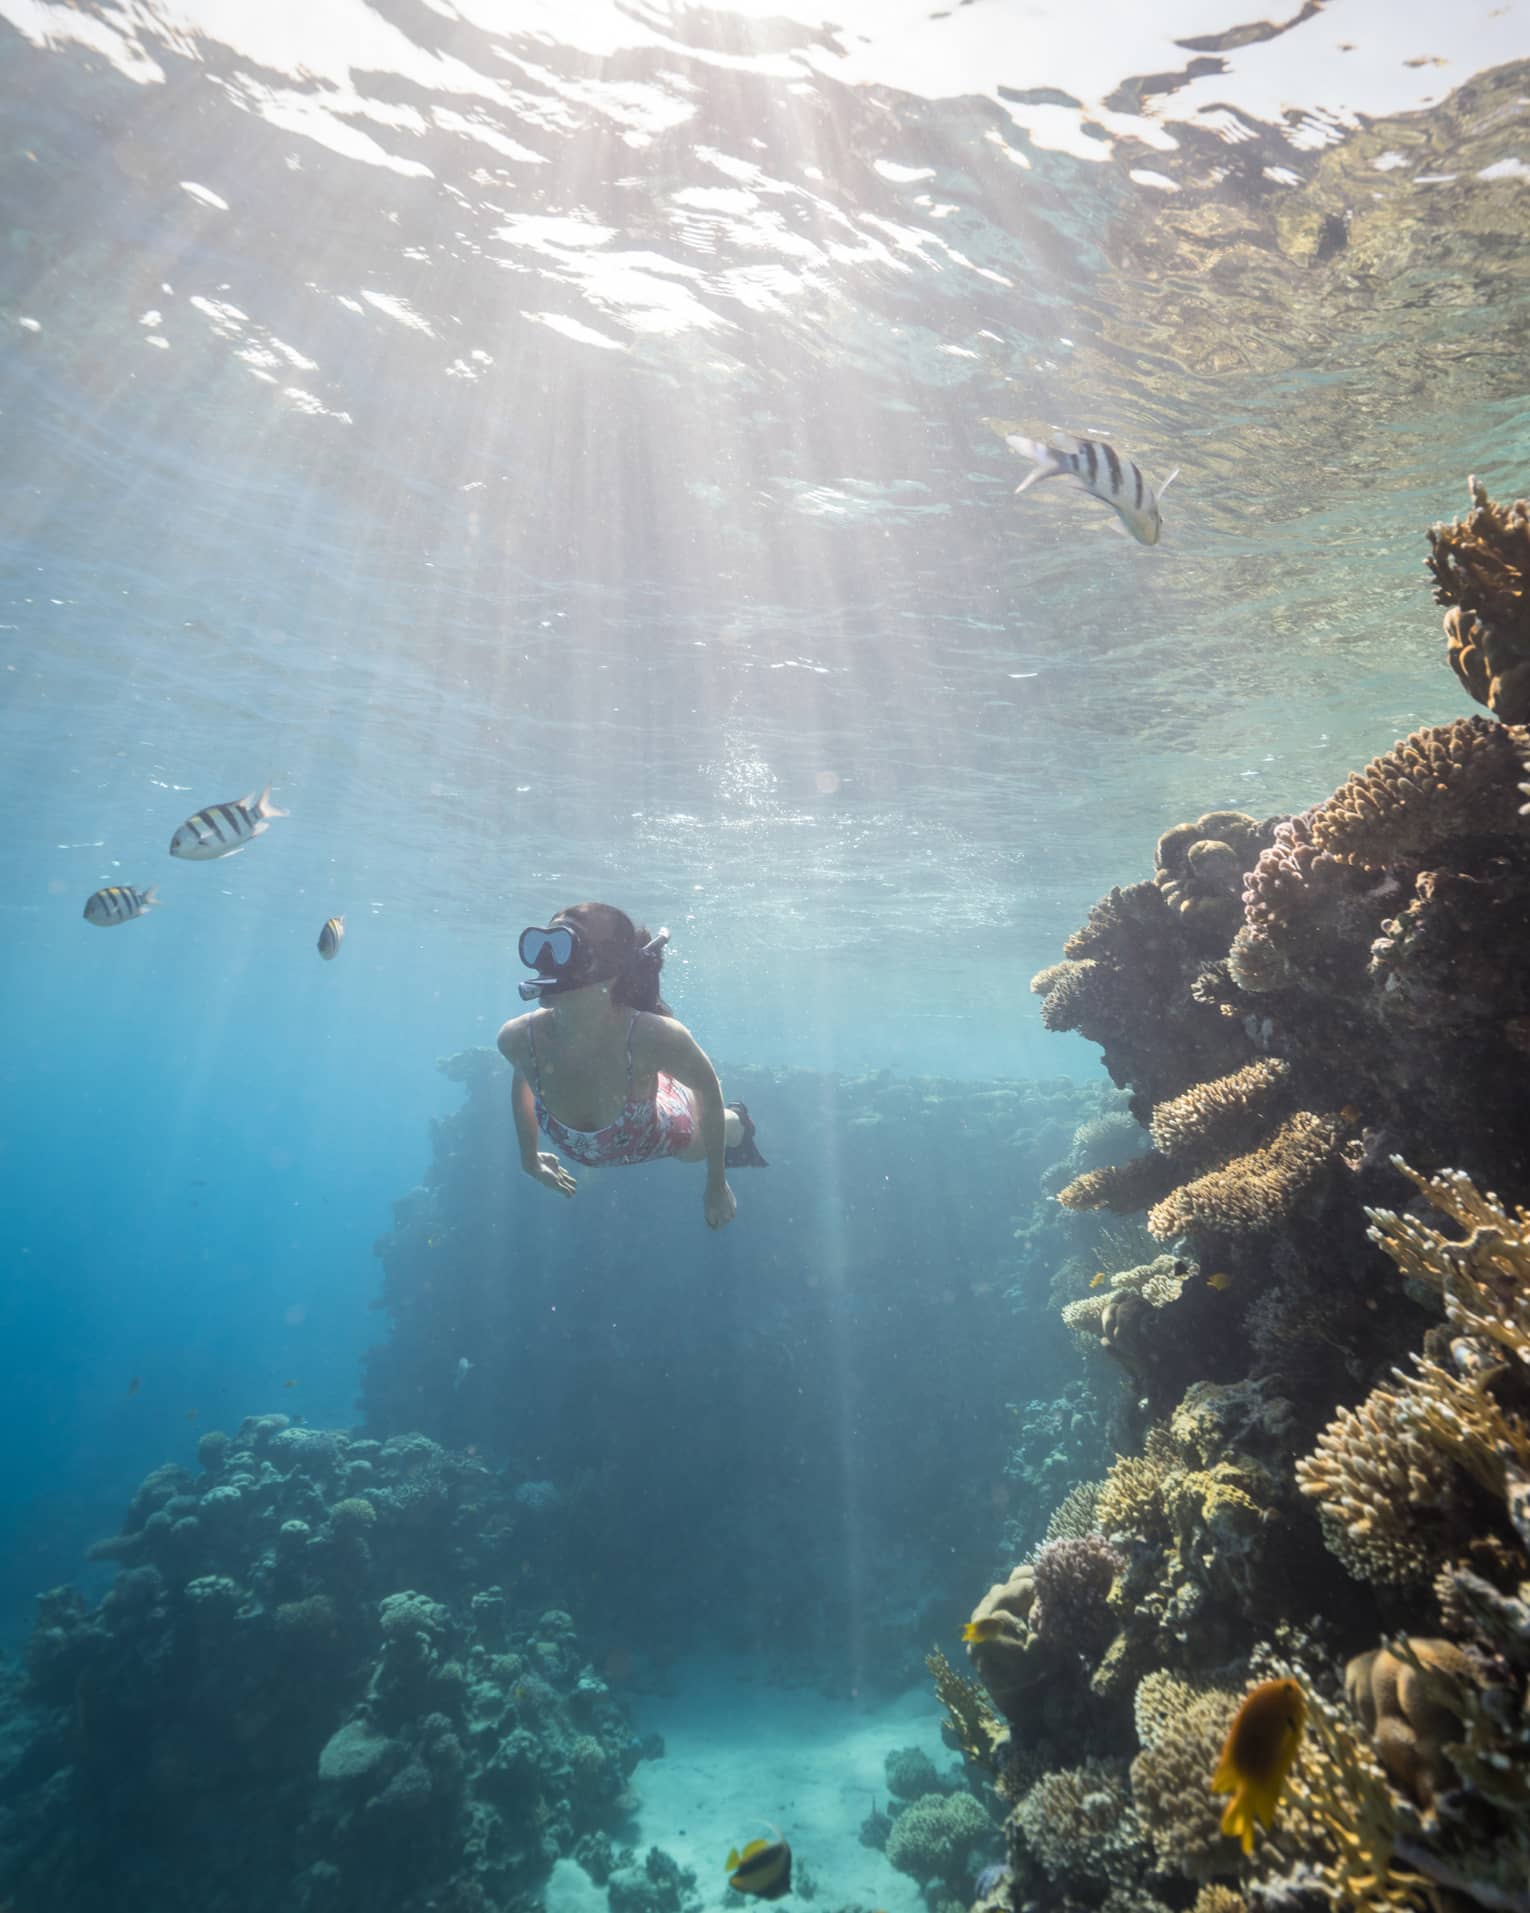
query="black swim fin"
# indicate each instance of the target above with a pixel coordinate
(744, 1154)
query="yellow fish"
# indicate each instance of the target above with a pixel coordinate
(1221, 1280)
(764, 1868)
(1098, 1280)
(1257, 1756)
(988, 1629)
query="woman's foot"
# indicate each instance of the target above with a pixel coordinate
(741, 1152)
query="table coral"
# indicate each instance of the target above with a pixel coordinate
(1251, 1193)
(1481, 567)
(1214, 1116)
(1452, 781)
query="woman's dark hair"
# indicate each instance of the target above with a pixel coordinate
(617, 943)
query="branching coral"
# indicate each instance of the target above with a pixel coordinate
(933, 1838)
(1081, 1827)
(1481, 567)
(1073, 993)
(1110, 1315)
(1077, 1514)
(1340, 1820)
(1383, 1491)
(972, 1722)
(1182, 1729)
(1253, 1192)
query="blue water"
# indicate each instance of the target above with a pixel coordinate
(555, 446)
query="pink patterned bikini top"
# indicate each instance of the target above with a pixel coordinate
(645, 1131)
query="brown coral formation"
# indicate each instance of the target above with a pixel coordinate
(1454, 781)
(1122, 1187)
(1362, 1002)
(1252, 1192)
(1383, 1491)
(1208, 1113)
(1182, 1729)
(1406, 1702)
(1199, 867)
(1481, 567)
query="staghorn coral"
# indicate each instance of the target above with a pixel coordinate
(1481, 568)
(1383, 1491)
(1454, 780)
(1251, 1193)
(1221, 1114)
(1108, 1138)
(1080, 1826)
(1182, 1729)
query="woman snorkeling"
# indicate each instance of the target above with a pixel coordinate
(629, 1083)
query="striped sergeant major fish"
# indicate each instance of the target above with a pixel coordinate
(331, 937)
(223, 829)
(1104, 474)
(118, 903)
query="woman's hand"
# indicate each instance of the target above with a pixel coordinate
(546, 1169)
(719, 1206)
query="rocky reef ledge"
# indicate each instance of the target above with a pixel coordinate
(308, 1688)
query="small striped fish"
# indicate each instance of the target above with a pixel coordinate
(331, 937)
(223, 829)
(1104, 474)
(118, 903)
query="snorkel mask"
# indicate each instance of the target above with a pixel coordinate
(563, 958)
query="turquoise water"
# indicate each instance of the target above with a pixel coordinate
(554, 446)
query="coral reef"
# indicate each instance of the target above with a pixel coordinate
(307, 1686)
(1481, 567)
(1328, 1334)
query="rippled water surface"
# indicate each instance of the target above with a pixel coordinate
(556, 444)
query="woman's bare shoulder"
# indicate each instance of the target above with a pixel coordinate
(513, 1043)
(658, 1040)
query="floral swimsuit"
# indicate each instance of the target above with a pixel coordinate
(643, 1132)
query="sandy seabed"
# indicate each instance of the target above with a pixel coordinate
(740, 1753)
